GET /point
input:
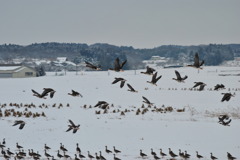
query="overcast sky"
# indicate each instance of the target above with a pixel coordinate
(137, 23)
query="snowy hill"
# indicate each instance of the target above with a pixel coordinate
(194, 129)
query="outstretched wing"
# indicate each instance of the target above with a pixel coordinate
(71, 123)
(146, 100)
(196, 60)
(17, 122)
(116, 80)
(130, 87)
(21, 125)
(116, 64)
(154, 77)
(35, 92)
(122, 83)
(123, 63)
(52, 94)
(177, 74)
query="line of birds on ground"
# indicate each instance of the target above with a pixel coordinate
(21, 154)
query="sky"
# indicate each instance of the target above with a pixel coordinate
(137, 23)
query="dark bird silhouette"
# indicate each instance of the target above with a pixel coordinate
(142, 154)
(198, 155)
(173, 155)
(131, 89)
(59, 155)
(116, 150)
(117, 66)
(78, 148)
(149, 71)
(197, 84)
(154, 79)
(46, 147)
(197, 63)
(219, 86)
(18, 146)
(226, 96)
(162, 154)
(115, 158)
(73, 127)
(89, 155)
(121, 80)
(212, 157)
(101, 103)
(94, 67)
(223, 117)
(75, 94)
(107, 150)
(44, 93)
(147, 101)
(230, 157)
(201, 87)
(20, 123)
(179, 78)
(155, 157)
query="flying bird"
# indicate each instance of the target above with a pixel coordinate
(197, 84)
(226, 96)
(201, 87)
(147, 101)
(179, 78)
(197, 63)
(75, 94)
(131, 89)
(89, 65)
(73, 127)
(100, 103)
(20, 123)
(44, 93)
(219, 86)
(117, 66)
(154, 79)
(121, 80)
(149, 71)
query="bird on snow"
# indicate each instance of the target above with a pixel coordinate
(149, 71)
(75, 94)
(154, 79)
(226, 96)
(179, 78)
(121, 80)
(117, 66)
(20, 123)
(89, 65)
(73, 127)
(197, 63)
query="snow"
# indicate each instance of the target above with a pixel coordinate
(196, 129)
(8, 68)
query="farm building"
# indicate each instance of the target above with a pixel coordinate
(16, 71)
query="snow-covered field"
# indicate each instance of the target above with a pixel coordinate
(195, 129)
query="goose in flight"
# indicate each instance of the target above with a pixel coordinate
(149, 71)
(75, 94)
(197, 84)
(154, 79)
(89, 65)
(219, 86)
(197, 63)
(179, 78)
(147, 101)
(101, 103)
(131, 89)
(226, 96)
(20, 123)
(121, 80)
(117, 66)
(44, 93)
(73, 127)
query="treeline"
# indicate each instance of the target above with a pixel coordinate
(213, 54)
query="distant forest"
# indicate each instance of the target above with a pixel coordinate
(212, 54)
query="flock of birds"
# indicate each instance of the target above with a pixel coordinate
(223, 119)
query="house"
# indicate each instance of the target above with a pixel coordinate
(16, 71)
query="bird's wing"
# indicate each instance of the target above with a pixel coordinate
(75, 130)
(196, 60)
(116, 64)
(123, 63)
(177, 74)
(130, 87)
(122, 84)
(184, 77)
(35, 92)
(147, 101)
(52, 94)
(116, 80)
(17, 122)
(21, 125)
(71, 122)
(196, 84)
(154, 77)
(158, 78)
(69, 129)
